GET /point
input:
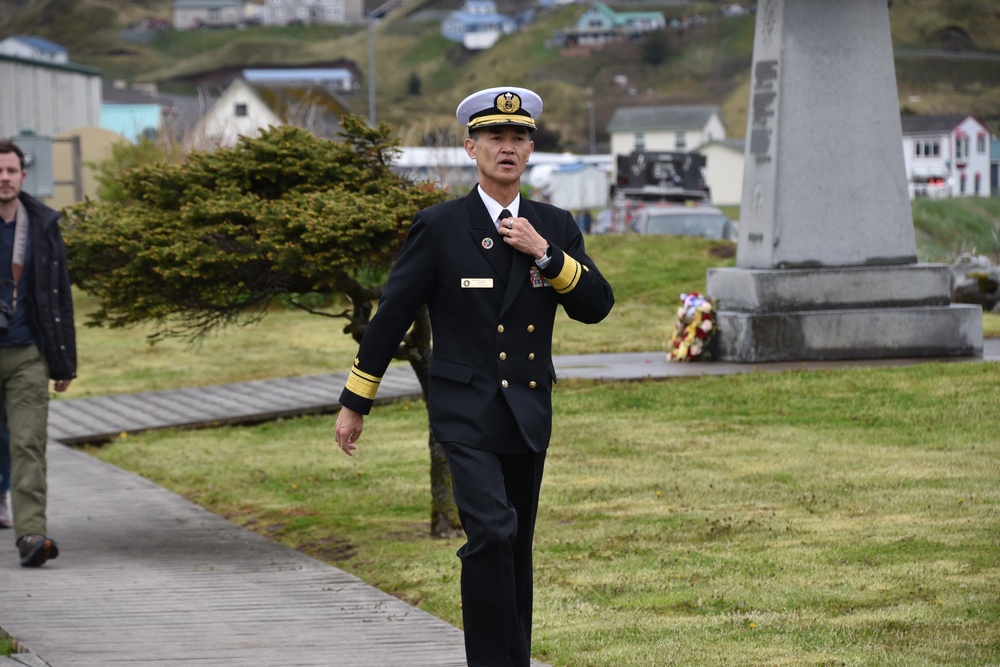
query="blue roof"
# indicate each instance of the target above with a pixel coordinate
(41, 44)
(132, 121)
(477, 20)
(572, 168)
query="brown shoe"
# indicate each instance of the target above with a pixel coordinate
(36, 549)
(5, 521)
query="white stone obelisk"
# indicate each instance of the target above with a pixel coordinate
(826, 263)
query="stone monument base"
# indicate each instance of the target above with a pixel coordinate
(841, 313)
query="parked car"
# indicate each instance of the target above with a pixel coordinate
(682, 220)
(602, 222)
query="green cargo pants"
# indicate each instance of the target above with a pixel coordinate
(24, 385)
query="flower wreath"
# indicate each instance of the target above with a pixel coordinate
(694, 329)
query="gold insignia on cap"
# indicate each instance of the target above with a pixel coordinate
(508, 102)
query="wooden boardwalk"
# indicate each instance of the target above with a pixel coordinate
(149, 579)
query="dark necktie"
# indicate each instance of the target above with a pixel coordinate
(504, 214)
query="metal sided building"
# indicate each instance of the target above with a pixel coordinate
(47, 98)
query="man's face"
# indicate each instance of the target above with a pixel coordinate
(501, 153)
(11, 177)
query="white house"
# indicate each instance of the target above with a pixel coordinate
(946, 156)
(245, 109)
(33, 48)
(665, 128)
(477, 25)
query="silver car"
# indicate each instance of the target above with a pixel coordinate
(682, 220)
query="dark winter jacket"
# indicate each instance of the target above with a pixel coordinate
(51, 298)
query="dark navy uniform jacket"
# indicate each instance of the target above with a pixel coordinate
(492, 312)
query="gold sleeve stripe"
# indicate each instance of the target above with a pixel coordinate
(568, 277)
(362, 384)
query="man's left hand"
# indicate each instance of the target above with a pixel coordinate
(519, 234)
(61, 385)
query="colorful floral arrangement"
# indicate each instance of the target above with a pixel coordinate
(694, 330)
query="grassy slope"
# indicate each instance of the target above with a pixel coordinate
(707, 64)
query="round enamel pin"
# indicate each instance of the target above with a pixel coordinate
(487, 243)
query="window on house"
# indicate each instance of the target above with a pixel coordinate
(961, 147)
(214, 14)
(961, 184)
(926, 148)
(981, 144)
(680, 140)
(640, 141)
(978, 182)
(241, 110)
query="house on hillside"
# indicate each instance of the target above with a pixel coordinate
(199, 14)
(601, 24)
(947, 156)
(477, 25)
(318, 12)
(33, 48)
(244, 109)
(665, 128)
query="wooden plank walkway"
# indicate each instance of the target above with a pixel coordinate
(147, 578)
(77, 421)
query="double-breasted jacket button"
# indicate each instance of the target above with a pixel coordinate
(499, 328)
(531, 356)
(503, 356)
(531, 327)
(503, 383)
(532, 384)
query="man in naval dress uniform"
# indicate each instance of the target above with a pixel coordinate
(491, 267)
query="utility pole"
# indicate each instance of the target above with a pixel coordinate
(373, 15)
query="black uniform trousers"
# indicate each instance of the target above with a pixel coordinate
(497, 499)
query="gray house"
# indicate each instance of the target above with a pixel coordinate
(310, 12)
(195, 14)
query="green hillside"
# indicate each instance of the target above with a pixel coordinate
(420, 75)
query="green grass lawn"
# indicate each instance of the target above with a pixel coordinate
(648, 275)
(847, 517)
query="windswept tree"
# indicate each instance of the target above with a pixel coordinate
(216, 239)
